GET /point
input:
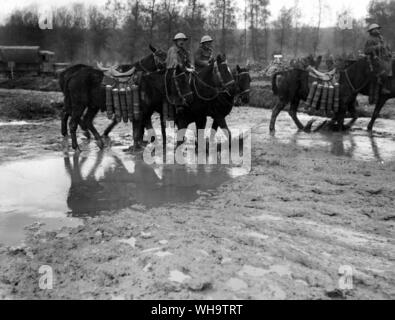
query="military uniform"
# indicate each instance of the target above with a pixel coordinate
(376, 46)
(202, 57)
(177, 56)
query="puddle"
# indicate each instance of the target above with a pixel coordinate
(61, 191)
(357, 144)
(18, 123)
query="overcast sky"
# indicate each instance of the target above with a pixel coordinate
(309, 7)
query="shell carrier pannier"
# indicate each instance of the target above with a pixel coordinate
(324, 94)
(123, 100)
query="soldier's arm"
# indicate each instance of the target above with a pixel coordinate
(199, 62)
(172, 58)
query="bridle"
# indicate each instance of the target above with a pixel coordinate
(221, 79)
(177, 85)
(238, 74)
(224, 86)
(157, 61)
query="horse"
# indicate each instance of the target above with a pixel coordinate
(243, 85)
(155, 88)
(214, 92)
(291, 86)
(154, 62)
(150, 63)
(80, 93)
(356, 78)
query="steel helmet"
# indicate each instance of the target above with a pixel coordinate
(373, 26)
(180, 36)
(206, 39)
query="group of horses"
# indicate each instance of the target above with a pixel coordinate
(210, 93)
(355, 77)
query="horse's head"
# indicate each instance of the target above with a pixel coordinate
(182, 84)
(310, 61)
(243, 83)
(224, 74)
(155, 61)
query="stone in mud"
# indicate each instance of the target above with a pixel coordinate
(236, 284)
(199, 285)
(252, 271)
(62, 235)
(148, 267)
(178, 276)
(162, 254)
(131, 242)
(146, 235)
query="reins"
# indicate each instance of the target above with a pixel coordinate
(349, 82)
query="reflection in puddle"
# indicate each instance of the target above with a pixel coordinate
(55, 190)
(357, 144)
(18, 123)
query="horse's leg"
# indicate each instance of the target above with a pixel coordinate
(88, 120)
(276, 110)
(163, 130)
(376, 112)
(200, 125)
(75, 118)
(84, 128)
(110, 127)
(293, 113)
(64, 118)
(224, 127)
(353, 113)
(148, 126)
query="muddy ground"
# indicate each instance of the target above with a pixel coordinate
(310, 206)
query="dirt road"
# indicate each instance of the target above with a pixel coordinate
(312, 207)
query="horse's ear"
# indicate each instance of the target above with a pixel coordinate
(152, 48)
(238, 68)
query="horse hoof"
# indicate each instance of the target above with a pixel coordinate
(308, 126)
(87, 134)
(100, 144)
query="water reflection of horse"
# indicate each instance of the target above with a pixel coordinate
(343, 144)
(107, 184)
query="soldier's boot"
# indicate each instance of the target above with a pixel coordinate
(385, 83)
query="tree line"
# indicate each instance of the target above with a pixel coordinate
(121, 30)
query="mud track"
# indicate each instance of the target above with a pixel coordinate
(310, 206)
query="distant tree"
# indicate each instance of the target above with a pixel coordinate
(283, 27)
(222, 17)
(383, 13)
(258, 15)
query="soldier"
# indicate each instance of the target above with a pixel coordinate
(177, 54)
(377, 48)
(204, 54)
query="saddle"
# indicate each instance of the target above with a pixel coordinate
(321, 76)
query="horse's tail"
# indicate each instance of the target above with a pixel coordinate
(274, 83)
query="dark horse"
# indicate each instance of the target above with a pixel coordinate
(357, 79)
(155, 89)
(292, 86)
(83, 89)
(243, 85)
(214, 92)
(154, 62)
